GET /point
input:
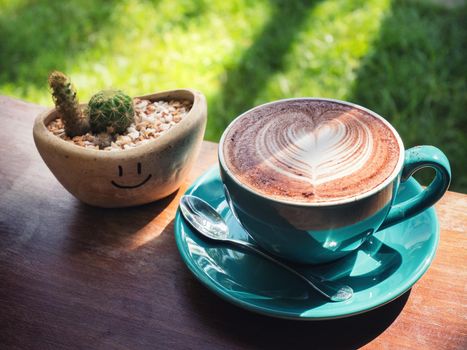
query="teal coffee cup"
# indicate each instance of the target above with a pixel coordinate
(310, 179)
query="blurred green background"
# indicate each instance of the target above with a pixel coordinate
(405, 59)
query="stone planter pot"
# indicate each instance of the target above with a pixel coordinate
(129, 177)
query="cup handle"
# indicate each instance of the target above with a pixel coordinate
(417, 158)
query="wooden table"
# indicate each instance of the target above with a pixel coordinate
(77, 277)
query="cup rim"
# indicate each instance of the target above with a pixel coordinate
(331, 203)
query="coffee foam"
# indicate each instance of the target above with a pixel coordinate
(310, 150)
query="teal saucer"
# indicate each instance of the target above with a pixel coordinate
(386, 266)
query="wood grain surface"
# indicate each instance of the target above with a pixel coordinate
(77, 277)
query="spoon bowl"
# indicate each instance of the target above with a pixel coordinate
(204, 218)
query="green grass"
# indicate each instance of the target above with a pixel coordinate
(403, 59)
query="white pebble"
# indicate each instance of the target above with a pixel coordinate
(134, 135)
(149, 118)
(124, 139)
(142, 104)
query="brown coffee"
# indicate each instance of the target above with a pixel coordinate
(310, 150)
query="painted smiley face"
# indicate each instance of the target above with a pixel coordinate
(120, 174)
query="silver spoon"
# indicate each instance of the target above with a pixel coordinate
(207, 221)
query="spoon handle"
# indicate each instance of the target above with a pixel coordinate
(329, 289)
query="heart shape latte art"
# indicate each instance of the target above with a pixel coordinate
(319, 152)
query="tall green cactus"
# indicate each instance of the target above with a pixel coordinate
(66, 101)
(110, 111)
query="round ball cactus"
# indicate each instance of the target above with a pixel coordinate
(110, 111)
